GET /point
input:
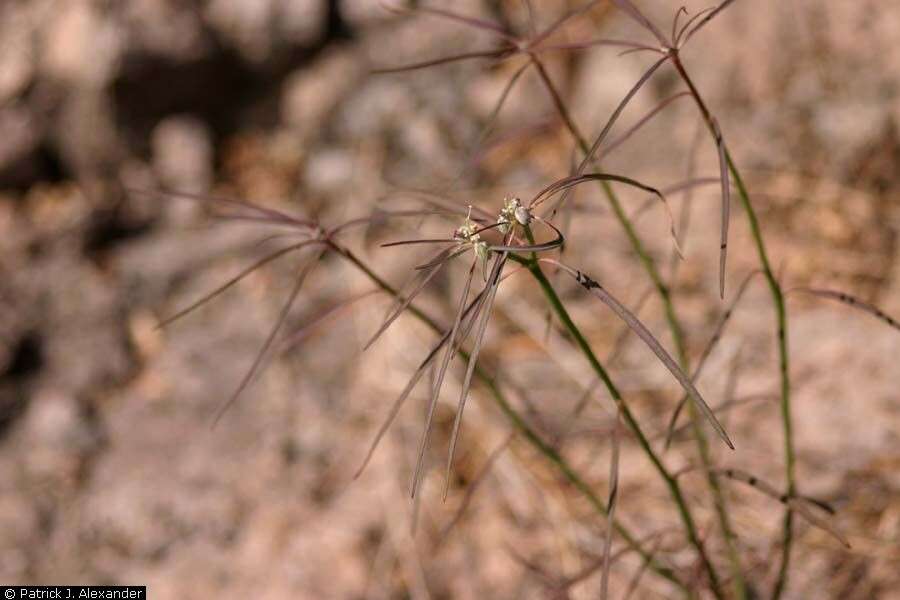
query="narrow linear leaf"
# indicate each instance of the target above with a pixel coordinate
(474, 485)
(645, 562)
(398, 403)
(562, 21)
(796, 504)
(443, 61)
(567, 183)
(439, 381)
(275, 215)
(626, 135)
(687, 25)
(424, 277)
(707, 351)
(617, 112)
(434, 262)
(632, 11)
(597, 42)
(234, 280)
(712, 15)
(642, 332)
(491, 287)
(611, 511)
(723, 408)
(681, 11)
(417, 242)
(852, 302)
(254, 368)
(726, 203)
(304, 332)
(459, 18)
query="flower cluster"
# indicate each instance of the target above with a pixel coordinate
(468, 233)
(513, 212)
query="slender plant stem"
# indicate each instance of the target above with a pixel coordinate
(677, 332)
(585, 347)
(784, 368)
(523, 427)
(781, 327)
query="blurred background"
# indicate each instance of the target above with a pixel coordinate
(110, 471)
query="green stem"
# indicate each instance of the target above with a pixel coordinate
(522, 426)
(671, 482)
(780, 322)
(784, 368)
(677, 337)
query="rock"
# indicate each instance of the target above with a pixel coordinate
(16, 52)
(310, 94)
(169, 29)
(256, 27)
(183, 153)
(82, 46)
(18, 145)
(328, 170)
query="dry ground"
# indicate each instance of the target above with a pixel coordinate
(109, 469)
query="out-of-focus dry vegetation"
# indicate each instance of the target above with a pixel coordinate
(109, 470)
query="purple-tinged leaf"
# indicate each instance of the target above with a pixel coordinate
(473, 486)
(795, 503)
(254, 368)
(707, 19)
(852, 302)
(677, 41)
(459, 18)
(707, 351)
(439, 382)
(598, 42)
(491, 290)
(643, 121)
(424, 277)
(231, 282)
(304, 332)
(650, 340)
(611, 508)
(561, 21)
(271, 214)
(632, 11)
(398, 403)
(444, 60)
(726, 203)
